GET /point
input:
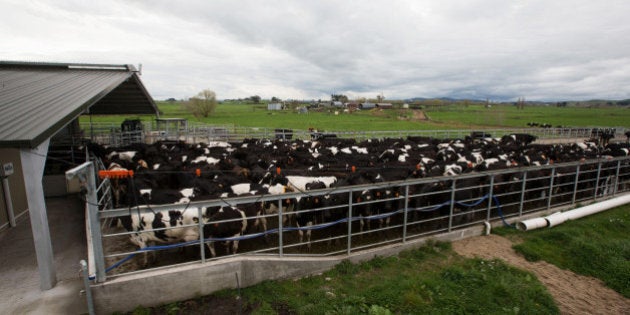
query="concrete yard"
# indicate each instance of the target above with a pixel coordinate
(20, 291)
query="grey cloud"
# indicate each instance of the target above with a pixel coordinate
(493, 49)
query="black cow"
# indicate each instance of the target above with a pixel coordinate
(226, 222)
(520, 139)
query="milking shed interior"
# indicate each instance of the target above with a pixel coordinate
(40, 103)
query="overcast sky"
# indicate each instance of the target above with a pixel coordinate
(475, 49)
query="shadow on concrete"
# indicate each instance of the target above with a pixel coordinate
(20, 291)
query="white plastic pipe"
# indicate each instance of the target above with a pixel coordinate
(561, 217)
(531, 224)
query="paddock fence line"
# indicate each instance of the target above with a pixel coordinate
(194, 132)
(412, 209)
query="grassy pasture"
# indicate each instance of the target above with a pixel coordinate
(596, 246)
(510, 116)
(447, 117)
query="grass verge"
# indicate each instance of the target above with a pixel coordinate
(596, 246)
(429, 280)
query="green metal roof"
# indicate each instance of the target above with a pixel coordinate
(39, 99)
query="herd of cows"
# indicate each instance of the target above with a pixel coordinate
(172, 172)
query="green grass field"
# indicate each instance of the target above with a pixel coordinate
(447, 117)
(510, 116)
(596, 246)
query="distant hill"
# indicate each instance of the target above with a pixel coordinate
(595, 102)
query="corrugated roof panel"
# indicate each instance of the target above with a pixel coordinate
(36, 100)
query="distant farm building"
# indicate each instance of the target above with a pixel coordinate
(352, 105)
(336, 104)
(275, 106)
(367, 105)
(384, 105)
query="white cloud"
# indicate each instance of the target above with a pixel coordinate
(471, 49)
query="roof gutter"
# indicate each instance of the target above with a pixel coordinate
(70, 66)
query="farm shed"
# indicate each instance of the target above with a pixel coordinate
(367, 105)
(274, 106)
(39, 101)
(384, 105)
(336, 104)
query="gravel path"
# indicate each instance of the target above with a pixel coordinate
(573, 293)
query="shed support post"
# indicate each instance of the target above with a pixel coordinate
(33, 161)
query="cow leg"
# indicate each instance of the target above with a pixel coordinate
(384, 223)
(235, 245)
(139, 241)
(263, 224)
(227, 247)
(361, 224)
(308, 236)
(210, 245)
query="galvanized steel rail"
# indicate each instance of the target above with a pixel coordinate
(564, 184)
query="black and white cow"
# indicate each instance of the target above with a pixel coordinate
(226, 222)
(161, 227)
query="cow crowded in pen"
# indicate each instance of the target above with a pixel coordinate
(174, 172)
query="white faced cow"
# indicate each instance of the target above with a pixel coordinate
(165, 227)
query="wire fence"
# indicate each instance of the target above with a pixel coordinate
(345, 220)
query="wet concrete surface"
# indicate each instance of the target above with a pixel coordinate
(20, 291)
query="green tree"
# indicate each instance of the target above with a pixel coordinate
(339, 97)
(255, 99)
(203, 104)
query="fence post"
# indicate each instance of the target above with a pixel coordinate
(490, 192)
(452, 206)
(522, 201)
(202, 238)
(405, 214)
(87, 176)
(349, 249)
(553, 175)
(617, 178)
(599, 170)
(280, 228)
(575, 184)
(88, 290)
(92, 204)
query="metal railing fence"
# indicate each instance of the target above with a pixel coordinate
(341, 225)
(110, 133)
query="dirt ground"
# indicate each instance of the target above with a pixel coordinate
(574, 294)
(418, 115)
